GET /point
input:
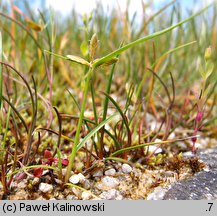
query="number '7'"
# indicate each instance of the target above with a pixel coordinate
(211, 204)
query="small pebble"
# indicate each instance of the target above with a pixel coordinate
(126, 168)
(74, 179)
(110, 182)
(22, 184)
(106, 149)
(45, 172)
(155, 149)
(81, 177)
(58, 181)
(98, 173)
(157, 194)
(85, 195)
(86, 184)
(45, 188)
(40, 198)
(71, 197)
(112, 194)
(77, 192)
(110, 172)
(188, 154)
(35, 181)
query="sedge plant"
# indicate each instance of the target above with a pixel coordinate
(92, 64)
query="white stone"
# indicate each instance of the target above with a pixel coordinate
(110, 172)
(74, 179)
(45, 188)
(108, 195)
(172, 136)
(112, 194)
(188, 154)
(126, 168)
(157, 194)
(71, 197)
(81, 177)
(76, 191)
(45, 172)
(85, 195)
(106, 148)
(58, 181)
(110, 182)
(155, 149)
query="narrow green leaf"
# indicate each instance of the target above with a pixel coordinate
(97, 128)
(123, 117)
(209, 68)
(149, 144)
(153, 17)
(155, 63)
(78, 60)
(56, 55)
(141, 40)
(202, 72)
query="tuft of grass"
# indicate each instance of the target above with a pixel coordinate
(107, 60)
(141, 70)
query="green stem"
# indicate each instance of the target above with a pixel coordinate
(80, 121)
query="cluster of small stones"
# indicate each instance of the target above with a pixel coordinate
(113, 182)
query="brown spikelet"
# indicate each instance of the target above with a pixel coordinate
(94, 43)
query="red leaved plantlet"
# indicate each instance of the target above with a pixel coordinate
(206, 71)
(37, 172)
(65, 162)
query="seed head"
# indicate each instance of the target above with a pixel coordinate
(94, 43)
(208, 53)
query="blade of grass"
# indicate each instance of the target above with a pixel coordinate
(6, 128)
(95, 130)
(158, 62)
(129, 141)
(33, 123)
(17, 112)
(117, 145)
(108, 57)
(23, 27)
(149, 144)
(153, 17)
(85, 120)
(105, 105)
